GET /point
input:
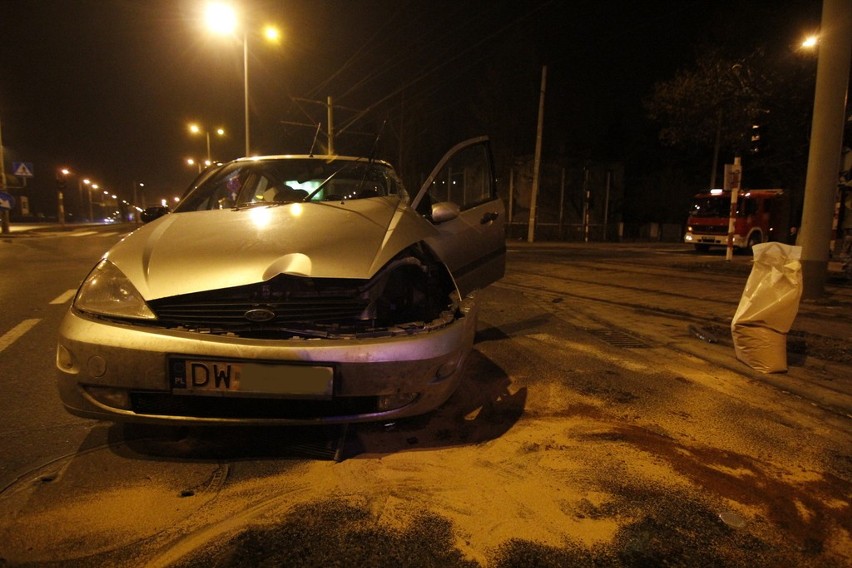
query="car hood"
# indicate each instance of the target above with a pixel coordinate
(189, 252)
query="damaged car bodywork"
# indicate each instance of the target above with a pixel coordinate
(289, 290)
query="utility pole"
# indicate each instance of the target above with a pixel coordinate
(135, 204)
(246, 91)
(4, 213)
(832, 83)
(734, 173)
(537, 159)
(330, 114)
(329, 109)
(716, 146)
(587, 198)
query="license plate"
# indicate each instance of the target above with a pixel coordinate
(241, 377)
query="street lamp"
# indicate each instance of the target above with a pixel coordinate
(81, 181)
(196, 129)
(222, 20)
(192, 162)
(88, 183)
(141, 187)
(61, 183)
(92, 200)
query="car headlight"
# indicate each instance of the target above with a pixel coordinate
(108, 292)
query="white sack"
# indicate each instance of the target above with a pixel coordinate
(768, 307)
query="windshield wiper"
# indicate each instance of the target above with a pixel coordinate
(372, 156)
(250, 204)
(310, 196)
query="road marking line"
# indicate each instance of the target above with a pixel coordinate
(83, 234)
(11, 336)
(64, 296)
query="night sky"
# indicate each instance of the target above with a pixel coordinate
(107, 87)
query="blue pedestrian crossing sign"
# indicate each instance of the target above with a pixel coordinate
(7, 201)
(22, 169)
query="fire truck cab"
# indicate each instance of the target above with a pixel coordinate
(761, 216)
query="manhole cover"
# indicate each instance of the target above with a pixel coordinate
(617, 338)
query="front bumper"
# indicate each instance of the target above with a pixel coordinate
(713, 240)
(113, 371)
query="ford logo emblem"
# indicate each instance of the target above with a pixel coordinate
(259, 315)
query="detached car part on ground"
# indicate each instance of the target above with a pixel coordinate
(289, 290)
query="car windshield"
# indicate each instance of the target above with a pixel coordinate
(271, 181)
(711, 207)
(720, 206)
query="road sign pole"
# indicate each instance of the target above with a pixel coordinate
(5, 213)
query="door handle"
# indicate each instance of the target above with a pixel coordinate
(488, 217)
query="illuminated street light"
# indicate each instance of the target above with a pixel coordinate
(272, 34)
(222, 19)
(196, 129)
(81, 181)
(192, 162)
(810, 42)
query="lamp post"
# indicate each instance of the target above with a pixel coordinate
(196, 129)
(832, 85)
(246, 93)
(222, 19)
(192, 162)
(80, 183)
(61, 183)
(91, 186)
(135, 206)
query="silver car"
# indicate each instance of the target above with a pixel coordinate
(289, 290)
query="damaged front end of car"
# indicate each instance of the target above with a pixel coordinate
(413, 292)
(395, 343)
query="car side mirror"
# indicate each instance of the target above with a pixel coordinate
(151, 213)
(444, 211)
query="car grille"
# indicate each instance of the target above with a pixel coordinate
(283, 301)
(163, 404)
(710, 229)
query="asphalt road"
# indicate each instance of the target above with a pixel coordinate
(604, 421)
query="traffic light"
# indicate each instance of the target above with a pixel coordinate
(755, 142)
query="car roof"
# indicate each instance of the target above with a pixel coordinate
(318, 157)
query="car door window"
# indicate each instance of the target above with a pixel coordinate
(473, 243)
(465, 179)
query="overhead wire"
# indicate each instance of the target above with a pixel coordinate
(357, 53)
(444, 63)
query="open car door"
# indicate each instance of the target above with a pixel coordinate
(460, 198)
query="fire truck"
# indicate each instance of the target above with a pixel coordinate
(762, 215)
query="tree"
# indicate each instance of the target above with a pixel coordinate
(716, 106)
(713, 105)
